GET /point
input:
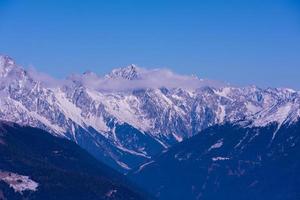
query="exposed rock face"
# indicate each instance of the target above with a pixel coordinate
(127, 127)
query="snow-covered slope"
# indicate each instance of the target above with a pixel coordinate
(131, 114)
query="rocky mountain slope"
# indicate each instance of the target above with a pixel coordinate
(131, 114)
(228, 162)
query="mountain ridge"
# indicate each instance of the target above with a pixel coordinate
(36, 165)
(227, 161)
(87, 109)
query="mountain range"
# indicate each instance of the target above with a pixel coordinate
(130, 115)
(173, 136)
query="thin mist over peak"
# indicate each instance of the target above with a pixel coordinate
(127, 78)
(134, 77)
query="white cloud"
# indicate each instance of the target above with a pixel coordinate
(156, 78)
(44, 78)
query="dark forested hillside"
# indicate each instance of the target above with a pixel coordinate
(228, 162)
(61, 169)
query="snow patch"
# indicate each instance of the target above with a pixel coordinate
(18, 182)
(177, 137)
(252, 108)
(217, 145)
(132, 152)
(220, 158)
(123, 165)
(224, 92)
(222, 113)
(143, 166)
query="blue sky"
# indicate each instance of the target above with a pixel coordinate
(239, 41)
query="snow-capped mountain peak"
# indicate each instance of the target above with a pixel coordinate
(6, 65)
(153, 109)
(6, 60)
(131, 72)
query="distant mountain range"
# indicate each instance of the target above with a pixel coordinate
(175, 136)
(128, 116)
(36, 165)
(125, 126)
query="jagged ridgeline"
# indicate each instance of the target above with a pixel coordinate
(132, 114)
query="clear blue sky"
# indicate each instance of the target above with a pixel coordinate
(240, 41)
